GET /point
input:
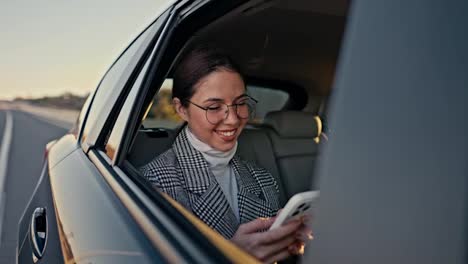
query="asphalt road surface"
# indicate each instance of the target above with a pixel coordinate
(24, 162)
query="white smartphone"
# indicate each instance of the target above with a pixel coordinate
(301, 204)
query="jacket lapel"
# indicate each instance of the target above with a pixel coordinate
(252, 202)
(206, 196)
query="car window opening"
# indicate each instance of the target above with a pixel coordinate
(288, 70)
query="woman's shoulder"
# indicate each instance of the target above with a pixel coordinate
(251, 166)
(164, 174)
(163, 164)
(261, 174)
(264, 179)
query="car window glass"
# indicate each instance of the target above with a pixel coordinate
(268, 100)
(161, 113)
(121, 122)
(158, 129)
(111, 79)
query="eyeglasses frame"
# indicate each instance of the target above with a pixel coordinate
(227, 113)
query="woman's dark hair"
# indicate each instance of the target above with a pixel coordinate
(196, 64)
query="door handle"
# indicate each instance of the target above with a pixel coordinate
(38, 233)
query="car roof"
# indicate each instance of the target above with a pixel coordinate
(271, 42)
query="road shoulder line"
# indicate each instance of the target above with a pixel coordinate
(4, 153)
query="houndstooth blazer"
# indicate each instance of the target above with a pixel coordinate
(184, 174)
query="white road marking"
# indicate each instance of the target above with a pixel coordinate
(4, 153)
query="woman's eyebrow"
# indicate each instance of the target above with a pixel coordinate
(214, 99)
(240, 96)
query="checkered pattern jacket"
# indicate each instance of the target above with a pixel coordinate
(184, 174)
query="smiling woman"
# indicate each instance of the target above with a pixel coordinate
(209, 94)
(209, 80)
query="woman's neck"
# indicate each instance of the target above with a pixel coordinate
(216, 159)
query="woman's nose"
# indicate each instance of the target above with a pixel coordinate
(231, 117)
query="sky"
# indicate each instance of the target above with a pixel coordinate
(51, 47)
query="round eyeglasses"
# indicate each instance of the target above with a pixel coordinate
(218, 111)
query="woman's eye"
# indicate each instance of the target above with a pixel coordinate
(214, 107)
(243, 102)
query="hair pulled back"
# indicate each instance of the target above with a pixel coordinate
(195, 65)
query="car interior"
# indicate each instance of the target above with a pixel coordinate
(288, 69)
(288, 53)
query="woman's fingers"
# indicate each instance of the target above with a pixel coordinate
(304, 233)
(279, 245)
(277, 240)
(271, 245)
(256, 225)
(297, 248)
(277, 256)
(272, 236)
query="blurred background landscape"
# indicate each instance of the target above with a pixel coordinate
(54, 54)
(66, 101)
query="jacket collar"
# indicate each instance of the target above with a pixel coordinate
(197, 174)
(208, 200)
(251, 201)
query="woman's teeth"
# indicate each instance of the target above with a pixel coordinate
(227, 133)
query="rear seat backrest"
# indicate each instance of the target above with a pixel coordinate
(255, 146)
(293, 135)
(148, 144)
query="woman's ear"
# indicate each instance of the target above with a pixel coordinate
(180, 109)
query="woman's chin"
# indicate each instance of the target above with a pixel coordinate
(224, 146)
(224, 143)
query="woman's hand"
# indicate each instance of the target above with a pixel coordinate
(272, 245)
(303, 235)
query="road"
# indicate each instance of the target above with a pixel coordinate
(29, 135)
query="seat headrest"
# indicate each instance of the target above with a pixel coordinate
(294, 124)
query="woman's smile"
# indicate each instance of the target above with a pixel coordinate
(225, 87)
(227, 134)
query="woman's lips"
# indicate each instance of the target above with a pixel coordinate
(227, 135)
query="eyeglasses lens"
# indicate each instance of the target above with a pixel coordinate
(244, 110)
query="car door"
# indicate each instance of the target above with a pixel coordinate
(73, 214)
(393, 177)
(162, 224)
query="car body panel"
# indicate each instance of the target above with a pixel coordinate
(61, 148)
(85, 205)
(41, 197)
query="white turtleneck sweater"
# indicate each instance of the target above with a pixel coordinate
(218, 162)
